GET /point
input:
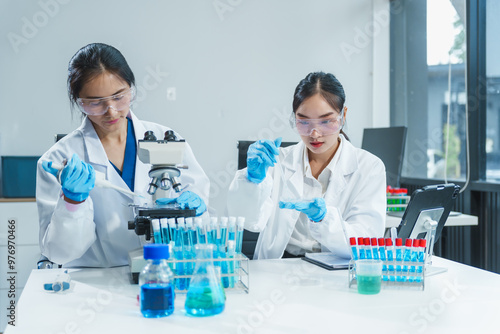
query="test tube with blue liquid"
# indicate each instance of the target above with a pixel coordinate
(354, 251)
(240, 225)
(368, 250)
(200, 231)
(389, 248)
(164, 230)
(155, 224)
(180, 283)
(399, 258)
(374, 248)
(381, 253)
(361, 248)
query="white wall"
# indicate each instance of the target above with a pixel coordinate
(234, 65)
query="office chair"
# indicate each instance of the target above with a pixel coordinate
(250, 238)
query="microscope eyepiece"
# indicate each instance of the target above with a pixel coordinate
(149, 136)
(170, 136)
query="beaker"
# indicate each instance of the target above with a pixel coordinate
(205, 295)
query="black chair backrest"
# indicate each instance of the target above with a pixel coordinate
(389, 145)
(250, 238)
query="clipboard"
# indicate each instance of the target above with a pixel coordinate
(327, 260)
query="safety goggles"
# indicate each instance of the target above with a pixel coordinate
(324, 126)
(97, 107)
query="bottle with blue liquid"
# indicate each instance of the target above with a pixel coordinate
(156, 282)
(205, 295)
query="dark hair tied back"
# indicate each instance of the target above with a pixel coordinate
(93, 60)
(325, 84)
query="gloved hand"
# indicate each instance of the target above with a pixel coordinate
(315, 210)
(77, 178)
(260, 157)
(187, 200)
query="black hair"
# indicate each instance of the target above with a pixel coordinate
(325, 84)
(93, 60)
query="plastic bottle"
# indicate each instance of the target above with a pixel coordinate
(205, 296)
(156, 282)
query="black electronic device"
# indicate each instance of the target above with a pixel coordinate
(389, 145)
(430, 203)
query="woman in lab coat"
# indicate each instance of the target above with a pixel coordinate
(86, 226)
(329, 186)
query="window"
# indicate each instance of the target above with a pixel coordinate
(492, 145)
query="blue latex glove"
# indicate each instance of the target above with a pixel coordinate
(315, 210)
(77, 178)
(187, 200)
(260, 157)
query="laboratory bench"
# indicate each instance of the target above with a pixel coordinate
(285, 296)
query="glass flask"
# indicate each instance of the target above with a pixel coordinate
(205, 295)
(156, 282)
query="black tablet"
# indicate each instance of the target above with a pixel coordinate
(431, 202)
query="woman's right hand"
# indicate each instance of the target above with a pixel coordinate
(77, 179)
(261, 156)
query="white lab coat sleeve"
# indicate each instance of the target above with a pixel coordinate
(364, 217)
(194, 178)
(66, 230)
(251, 200)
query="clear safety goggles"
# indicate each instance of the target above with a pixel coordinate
(97, 107)
(324, 126)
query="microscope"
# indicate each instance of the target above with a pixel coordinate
(165, 157)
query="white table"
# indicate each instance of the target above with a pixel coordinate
(453, 220)
(286, 296)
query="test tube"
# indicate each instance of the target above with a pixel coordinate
(414, 257)
(240, 225)
(179, 254)
(389, 248)
(212, 231)
(421, 255)
(368, 250)
(231, 229)
(362, 254)
(200, 231)
(223, 230)
(164, 230)
(352, 242)
(381, 252)
(231, 264)
(172, 229)
(399, 258)
(374, 248)
(190, 227)
(155, 224)
(189, 253)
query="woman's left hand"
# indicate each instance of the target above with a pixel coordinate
(315, 209)
(187, 200)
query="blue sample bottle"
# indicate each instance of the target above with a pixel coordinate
(156, 282)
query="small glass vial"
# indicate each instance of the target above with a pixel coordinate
(156, 282)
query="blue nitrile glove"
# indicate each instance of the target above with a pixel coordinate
(77, 179)
(187, 200)
(260, 157)
(47, 166)
(315, 210)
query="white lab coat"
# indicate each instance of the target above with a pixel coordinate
(95, 233)
(356, 195)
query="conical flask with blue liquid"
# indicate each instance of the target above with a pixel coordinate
(205, 295)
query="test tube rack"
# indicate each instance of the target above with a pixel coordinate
(396, 275)
(234, 273)
(397, 202)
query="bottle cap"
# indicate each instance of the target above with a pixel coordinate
(381, 242)
(352, 241)
(416, 242)
(399, 242)
(423, 242)
(156, 252)
(366, 241)
(388, 242)
(408, 242)
(374, 241)
(360, 241)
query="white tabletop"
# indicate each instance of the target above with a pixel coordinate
(286, 296)
(453, 220)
